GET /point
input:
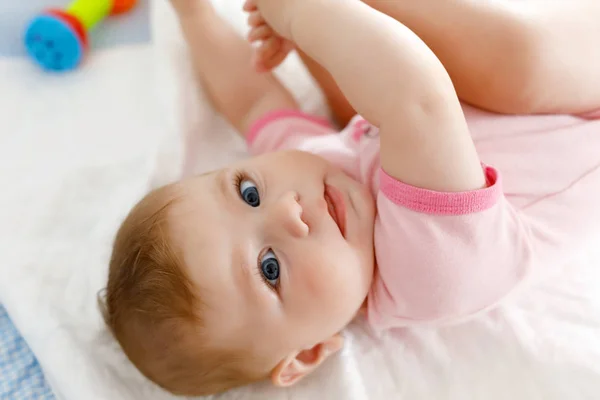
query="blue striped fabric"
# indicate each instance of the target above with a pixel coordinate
(21, 376)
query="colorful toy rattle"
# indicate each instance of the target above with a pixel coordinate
(58, 39)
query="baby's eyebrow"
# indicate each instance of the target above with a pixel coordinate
(242, 270)
(224, 185)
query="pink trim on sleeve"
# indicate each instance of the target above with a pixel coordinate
(279, 114)
(442, 203)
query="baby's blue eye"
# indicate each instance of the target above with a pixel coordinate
(269, 268)
(249, 193)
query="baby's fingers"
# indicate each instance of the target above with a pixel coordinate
(269, 48)
(262, 32)
(255, 19)
(250, 5)
(284, 49)
(271, 53)
(276, 59)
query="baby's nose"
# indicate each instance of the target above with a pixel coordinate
(287, 215)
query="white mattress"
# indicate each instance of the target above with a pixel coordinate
(77, 151)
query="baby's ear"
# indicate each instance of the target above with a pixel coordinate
(299, 364)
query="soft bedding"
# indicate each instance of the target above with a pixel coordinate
(67, 182)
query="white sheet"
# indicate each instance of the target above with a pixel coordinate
(77, 151)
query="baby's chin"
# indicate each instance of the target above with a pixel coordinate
(362, 311)
(360, 315)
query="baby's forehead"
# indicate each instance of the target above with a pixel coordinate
(194, 220)
(193, 190)
(193, 239)
(206, 253)
(191, 218)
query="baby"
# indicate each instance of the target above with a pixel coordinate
(253, 271)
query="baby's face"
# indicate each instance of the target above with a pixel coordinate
(280, 249)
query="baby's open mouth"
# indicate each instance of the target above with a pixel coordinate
(336, 207)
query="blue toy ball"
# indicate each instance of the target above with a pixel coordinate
(53, 43)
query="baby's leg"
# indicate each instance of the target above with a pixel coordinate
(222, 63)
(533, 56)
(520, 57)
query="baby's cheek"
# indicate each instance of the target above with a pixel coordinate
(328, 296)
(316, 275)
(313, 281)
(349, 283)
(331, 277)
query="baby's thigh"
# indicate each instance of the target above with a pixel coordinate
(566, 44)
(550, 168)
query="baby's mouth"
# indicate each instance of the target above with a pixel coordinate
(336, 207)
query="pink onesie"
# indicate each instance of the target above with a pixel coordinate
(443, 257)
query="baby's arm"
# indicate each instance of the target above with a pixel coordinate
(393, 80)
(222, 65)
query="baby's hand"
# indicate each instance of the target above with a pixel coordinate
(273, 48)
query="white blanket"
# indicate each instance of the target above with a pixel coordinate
(77, 151)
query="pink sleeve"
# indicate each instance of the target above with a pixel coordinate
(285, 129)
(443, 257)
